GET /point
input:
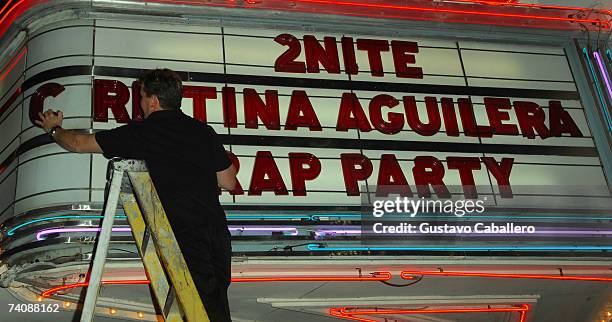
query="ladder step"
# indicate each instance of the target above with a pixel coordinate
(145, 240)
(169, 301)
(160, 284)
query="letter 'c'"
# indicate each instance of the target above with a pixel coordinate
(38, 99)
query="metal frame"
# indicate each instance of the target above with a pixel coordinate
(592, 108)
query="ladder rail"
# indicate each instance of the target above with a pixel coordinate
(99, 257)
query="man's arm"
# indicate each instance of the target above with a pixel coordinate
(70, 140)
(76, 142)
(227, 178)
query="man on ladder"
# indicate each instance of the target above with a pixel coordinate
(187, 164)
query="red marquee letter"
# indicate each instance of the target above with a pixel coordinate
(374, 48)
(501, 172)
(286, 61)
(401, 58)
(300, 104)
(531, 117)
(38, 99)
(468, 120)
(315, 53)
(348, 53)
(396, 120)
(433, 116)
(391, 178)
(352, 174)
(103, 101)
(265, 166)
(450, 117)
(137, 113)
(254, 107)
(350, 106)
(561, 122)
(199, 94)
(466, 166)
(493, 106)
(230, 119)
(423, 178)
(299, 174)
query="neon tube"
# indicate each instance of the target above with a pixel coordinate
(410, 276)
(292, 230)
(400, 8)
(603, 72)
(12, 64)
(265, 217)
(3, 108)
(383, 311)
(306, 217)
(538, 233)
(23, 5)
(378, 276)
(596, 82)
(29, 222)
(529, 5)
(9, 11)
(5, 6)
(337, 232)
(316, 217)
(354, 313)
(317, 247)
(438, 10)
(53, 290)
(40, 235)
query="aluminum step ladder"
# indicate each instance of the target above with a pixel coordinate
(129, 184)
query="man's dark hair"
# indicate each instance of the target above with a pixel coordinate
(166, 85)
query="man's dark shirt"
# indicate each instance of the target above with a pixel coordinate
(183, 156)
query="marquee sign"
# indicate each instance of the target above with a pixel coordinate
(532, 121)
(313, 119)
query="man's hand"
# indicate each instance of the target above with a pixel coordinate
(70, 140)
(226, 179)
(50, 119)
